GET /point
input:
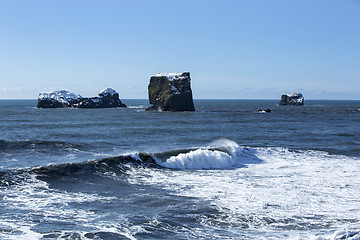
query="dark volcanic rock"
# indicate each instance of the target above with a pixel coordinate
(51, 103)
(59, 99)
(170, 92)
(107, 98)
(292, 99)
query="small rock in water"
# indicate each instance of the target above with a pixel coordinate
(292, 99)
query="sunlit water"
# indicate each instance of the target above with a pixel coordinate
(225, 171)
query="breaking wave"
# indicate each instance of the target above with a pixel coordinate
(221, 154)
(266, 188)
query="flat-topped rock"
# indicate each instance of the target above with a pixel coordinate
(292, 99)
(170, 92)
(107, 98)
(58, 99)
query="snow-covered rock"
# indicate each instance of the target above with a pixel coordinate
(172, 76)
(59, 99)
(107, 98)
(171, 92)
(108, 91)
(292, 99)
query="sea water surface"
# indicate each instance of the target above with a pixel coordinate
(225, 171)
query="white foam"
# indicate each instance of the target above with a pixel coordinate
(23, 231)
(35, 197)
(231, 146)
(137, 107)
(347, 234)
(289, 189)
(221, 154)
(200, 159)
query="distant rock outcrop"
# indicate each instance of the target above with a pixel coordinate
(292, 99)
(58, 99)
(170, 92)
(107, 98)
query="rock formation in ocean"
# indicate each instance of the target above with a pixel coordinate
(170, 92)
(292, 99)
(107, 98)
(58, 99)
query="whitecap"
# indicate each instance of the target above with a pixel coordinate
(200, 159)
(292, 191)
(220, 154)
(136, 107)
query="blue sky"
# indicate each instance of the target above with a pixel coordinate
(234, 49)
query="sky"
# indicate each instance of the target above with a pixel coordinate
(242, 49)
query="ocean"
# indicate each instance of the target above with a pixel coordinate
(225, 171)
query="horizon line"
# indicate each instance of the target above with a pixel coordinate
(270, 99)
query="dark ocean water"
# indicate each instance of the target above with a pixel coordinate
(225, 171)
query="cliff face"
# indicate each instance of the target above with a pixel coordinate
(107, 98)
(170, 92)
(292, 99)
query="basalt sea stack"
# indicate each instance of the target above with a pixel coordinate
(107, 98)
(292, 99)
(170, 92)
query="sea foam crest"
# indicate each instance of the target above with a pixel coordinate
(221, 154)
(200, 159)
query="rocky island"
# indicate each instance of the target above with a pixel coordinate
(107, 98)
(170, 92)
(292, 99)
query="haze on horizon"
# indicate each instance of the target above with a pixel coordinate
(248, 49)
